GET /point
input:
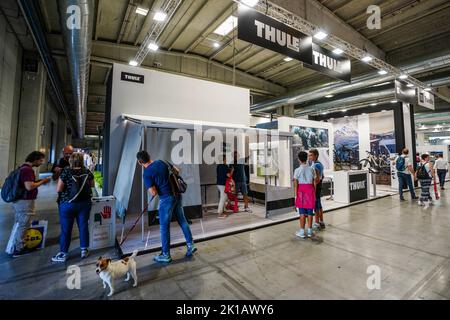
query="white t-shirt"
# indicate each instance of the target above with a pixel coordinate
(441, 164)
(408, 163)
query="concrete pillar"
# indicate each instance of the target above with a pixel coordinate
(32, 110)
(10, 78)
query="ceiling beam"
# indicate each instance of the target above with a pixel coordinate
(129, 14)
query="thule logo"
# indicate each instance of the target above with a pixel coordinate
(125, 76)
(277, 36)
(327, 62)
(358, 185)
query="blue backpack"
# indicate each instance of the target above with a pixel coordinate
(11, 190)
(400, 164)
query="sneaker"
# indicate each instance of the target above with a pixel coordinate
(322, 225)
(300, 233)
(402, 199)
(222, 216)
(84, 253)
(248, 210)
(310, 233)
(191, 249)
(420, 203)
(414, 198)
(316, 226)
(162, 258)
(20, 253)
(60, 257)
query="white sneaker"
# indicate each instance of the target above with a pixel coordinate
(316, 226)
(301, 233)
(420, 203)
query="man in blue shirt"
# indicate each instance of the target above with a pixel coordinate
(318, 166)
(156, 180)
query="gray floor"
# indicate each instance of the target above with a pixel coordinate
(410, 246)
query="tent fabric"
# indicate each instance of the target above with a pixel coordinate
(127, 168)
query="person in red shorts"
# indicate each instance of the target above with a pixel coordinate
(230, 190)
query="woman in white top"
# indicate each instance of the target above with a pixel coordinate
(441, 167)
(425, 175)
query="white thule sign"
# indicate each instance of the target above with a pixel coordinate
(359, 185)
(326, 61)
(277, 36)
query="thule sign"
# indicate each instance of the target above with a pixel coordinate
(131, 77)
(259, 29)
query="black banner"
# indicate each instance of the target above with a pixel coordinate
(268, 33)
(358, 185)
(131, 77)
(331, 64)
(404, 93)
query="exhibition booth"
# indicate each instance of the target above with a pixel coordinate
(193, 127)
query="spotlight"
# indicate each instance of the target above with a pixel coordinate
(403, 77)
(338, 51)
(320, 35)
(288, 59)
(367, 59)
(153, 47)
(382, 72)
(160, 16)
(133, 63)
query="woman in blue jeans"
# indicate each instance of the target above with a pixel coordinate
(74, 189)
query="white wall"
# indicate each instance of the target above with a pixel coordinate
(171, 96)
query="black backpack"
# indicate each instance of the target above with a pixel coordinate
(177, 184)
(422, 173)
(11, 190)
(79, 187)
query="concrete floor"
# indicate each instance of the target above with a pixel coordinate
(410, 245)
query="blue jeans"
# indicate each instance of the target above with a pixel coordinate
(402, 179)
(68, 213)
(169, 206)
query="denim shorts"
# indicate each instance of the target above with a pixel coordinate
(306, 212)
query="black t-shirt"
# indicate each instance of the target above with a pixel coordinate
(70, 185)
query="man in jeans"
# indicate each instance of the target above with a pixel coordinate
(405, 172)
(442, 168)
(156, 179)
(24, 207)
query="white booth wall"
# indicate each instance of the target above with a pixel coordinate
(169, 96)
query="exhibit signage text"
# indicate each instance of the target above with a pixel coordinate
(358, 187)
(426, 99)
(259, 29)
(131, 77)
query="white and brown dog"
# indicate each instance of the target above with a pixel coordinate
(109, 271)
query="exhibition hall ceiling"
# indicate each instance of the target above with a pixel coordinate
(196, 42)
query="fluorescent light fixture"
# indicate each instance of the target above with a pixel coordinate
(153, 47)
(410, 85)
(374, 104)
(227, 26)
(381, 84)
(403, 77)
(320, 35)
(383, 110)
(367, 59)
(329, 96)
(382, 72)
(216, 45)
(250, 3)
(325, 113)
(288, 59)
(338, 51)
(394, 101)
(133, 63)
(141, 11)
(427, 89)
(160, 16)
(344, 110)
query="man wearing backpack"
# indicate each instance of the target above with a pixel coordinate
(27, 191)
(157, 175)
(405, 171)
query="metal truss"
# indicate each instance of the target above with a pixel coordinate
(294, 21)
(169, 7)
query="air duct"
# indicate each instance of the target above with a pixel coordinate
(335, 88)
(77, 20)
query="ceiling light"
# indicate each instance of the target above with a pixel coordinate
(374, 104)
(364, 114)
(382, 72)
(403, 77)
(288, 59)
(160, 16)
(367, 59)
(216, 45)
(153, 47)
(427, 89)
(344, 110)
(329, 96)
(227, 26)
(394, 101)
(325, 113)
(133, 63)
(338, 51)
(250, 3)
(383, 110)
(141, 11)
(346, 117)
(381, 84)
(320, 35)
(410, 85)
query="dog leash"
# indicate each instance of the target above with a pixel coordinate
(136, 222)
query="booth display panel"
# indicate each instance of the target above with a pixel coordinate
(351, 186)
